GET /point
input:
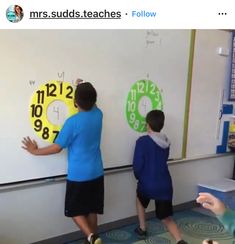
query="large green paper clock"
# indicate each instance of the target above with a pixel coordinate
(50, 105)
(143, 97)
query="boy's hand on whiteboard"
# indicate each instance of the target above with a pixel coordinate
(29, 145)
(32, 147)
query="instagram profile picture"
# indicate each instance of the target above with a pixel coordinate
(15, 13)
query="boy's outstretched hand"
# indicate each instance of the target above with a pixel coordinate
(29, 145)
(212, 203)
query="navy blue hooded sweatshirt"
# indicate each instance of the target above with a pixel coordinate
(150, 166)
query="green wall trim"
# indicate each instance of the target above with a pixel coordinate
(188, 93)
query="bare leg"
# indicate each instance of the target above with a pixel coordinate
(92, 221)
(83, 224)
(172, 228)
(141, 214)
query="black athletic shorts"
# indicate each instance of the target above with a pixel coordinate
(83, 198)
(163, 208)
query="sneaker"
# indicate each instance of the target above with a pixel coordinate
(141, 233)
(95, 239)
(208, 241)
(182, 242)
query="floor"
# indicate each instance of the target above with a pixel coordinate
(195, 226)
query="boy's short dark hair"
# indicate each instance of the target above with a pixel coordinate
(155, 119)
(85, 96)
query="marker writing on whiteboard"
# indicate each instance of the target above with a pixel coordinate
(61, 76)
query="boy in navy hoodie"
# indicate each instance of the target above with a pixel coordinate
(154, 180)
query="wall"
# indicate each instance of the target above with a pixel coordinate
(36, 213)
(209, 75)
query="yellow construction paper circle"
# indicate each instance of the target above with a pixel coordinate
(45, 95)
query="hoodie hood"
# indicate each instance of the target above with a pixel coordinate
(160, 139)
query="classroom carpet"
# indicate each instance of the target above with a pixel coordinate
(194, 225)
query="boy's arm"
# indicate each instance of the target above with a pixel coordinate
(32, 147)
(138, 160)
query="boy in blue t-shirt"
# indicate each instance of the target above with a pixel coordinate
(81, 134)
(154, 180)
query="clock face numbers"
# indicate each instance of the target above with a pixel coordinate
(50, 106)
(143, 97)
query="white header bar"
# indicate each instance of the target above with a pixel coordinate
(128, 14)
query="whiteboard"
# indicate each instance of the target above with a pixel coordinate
(112, 60)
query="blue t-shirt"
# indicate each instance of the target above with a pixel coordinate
(151, 169)
(81, 134)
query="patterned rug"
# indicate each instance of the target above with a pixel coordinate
(194, 226)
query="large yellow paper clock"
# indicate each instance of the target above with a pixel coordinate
(50, 105)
